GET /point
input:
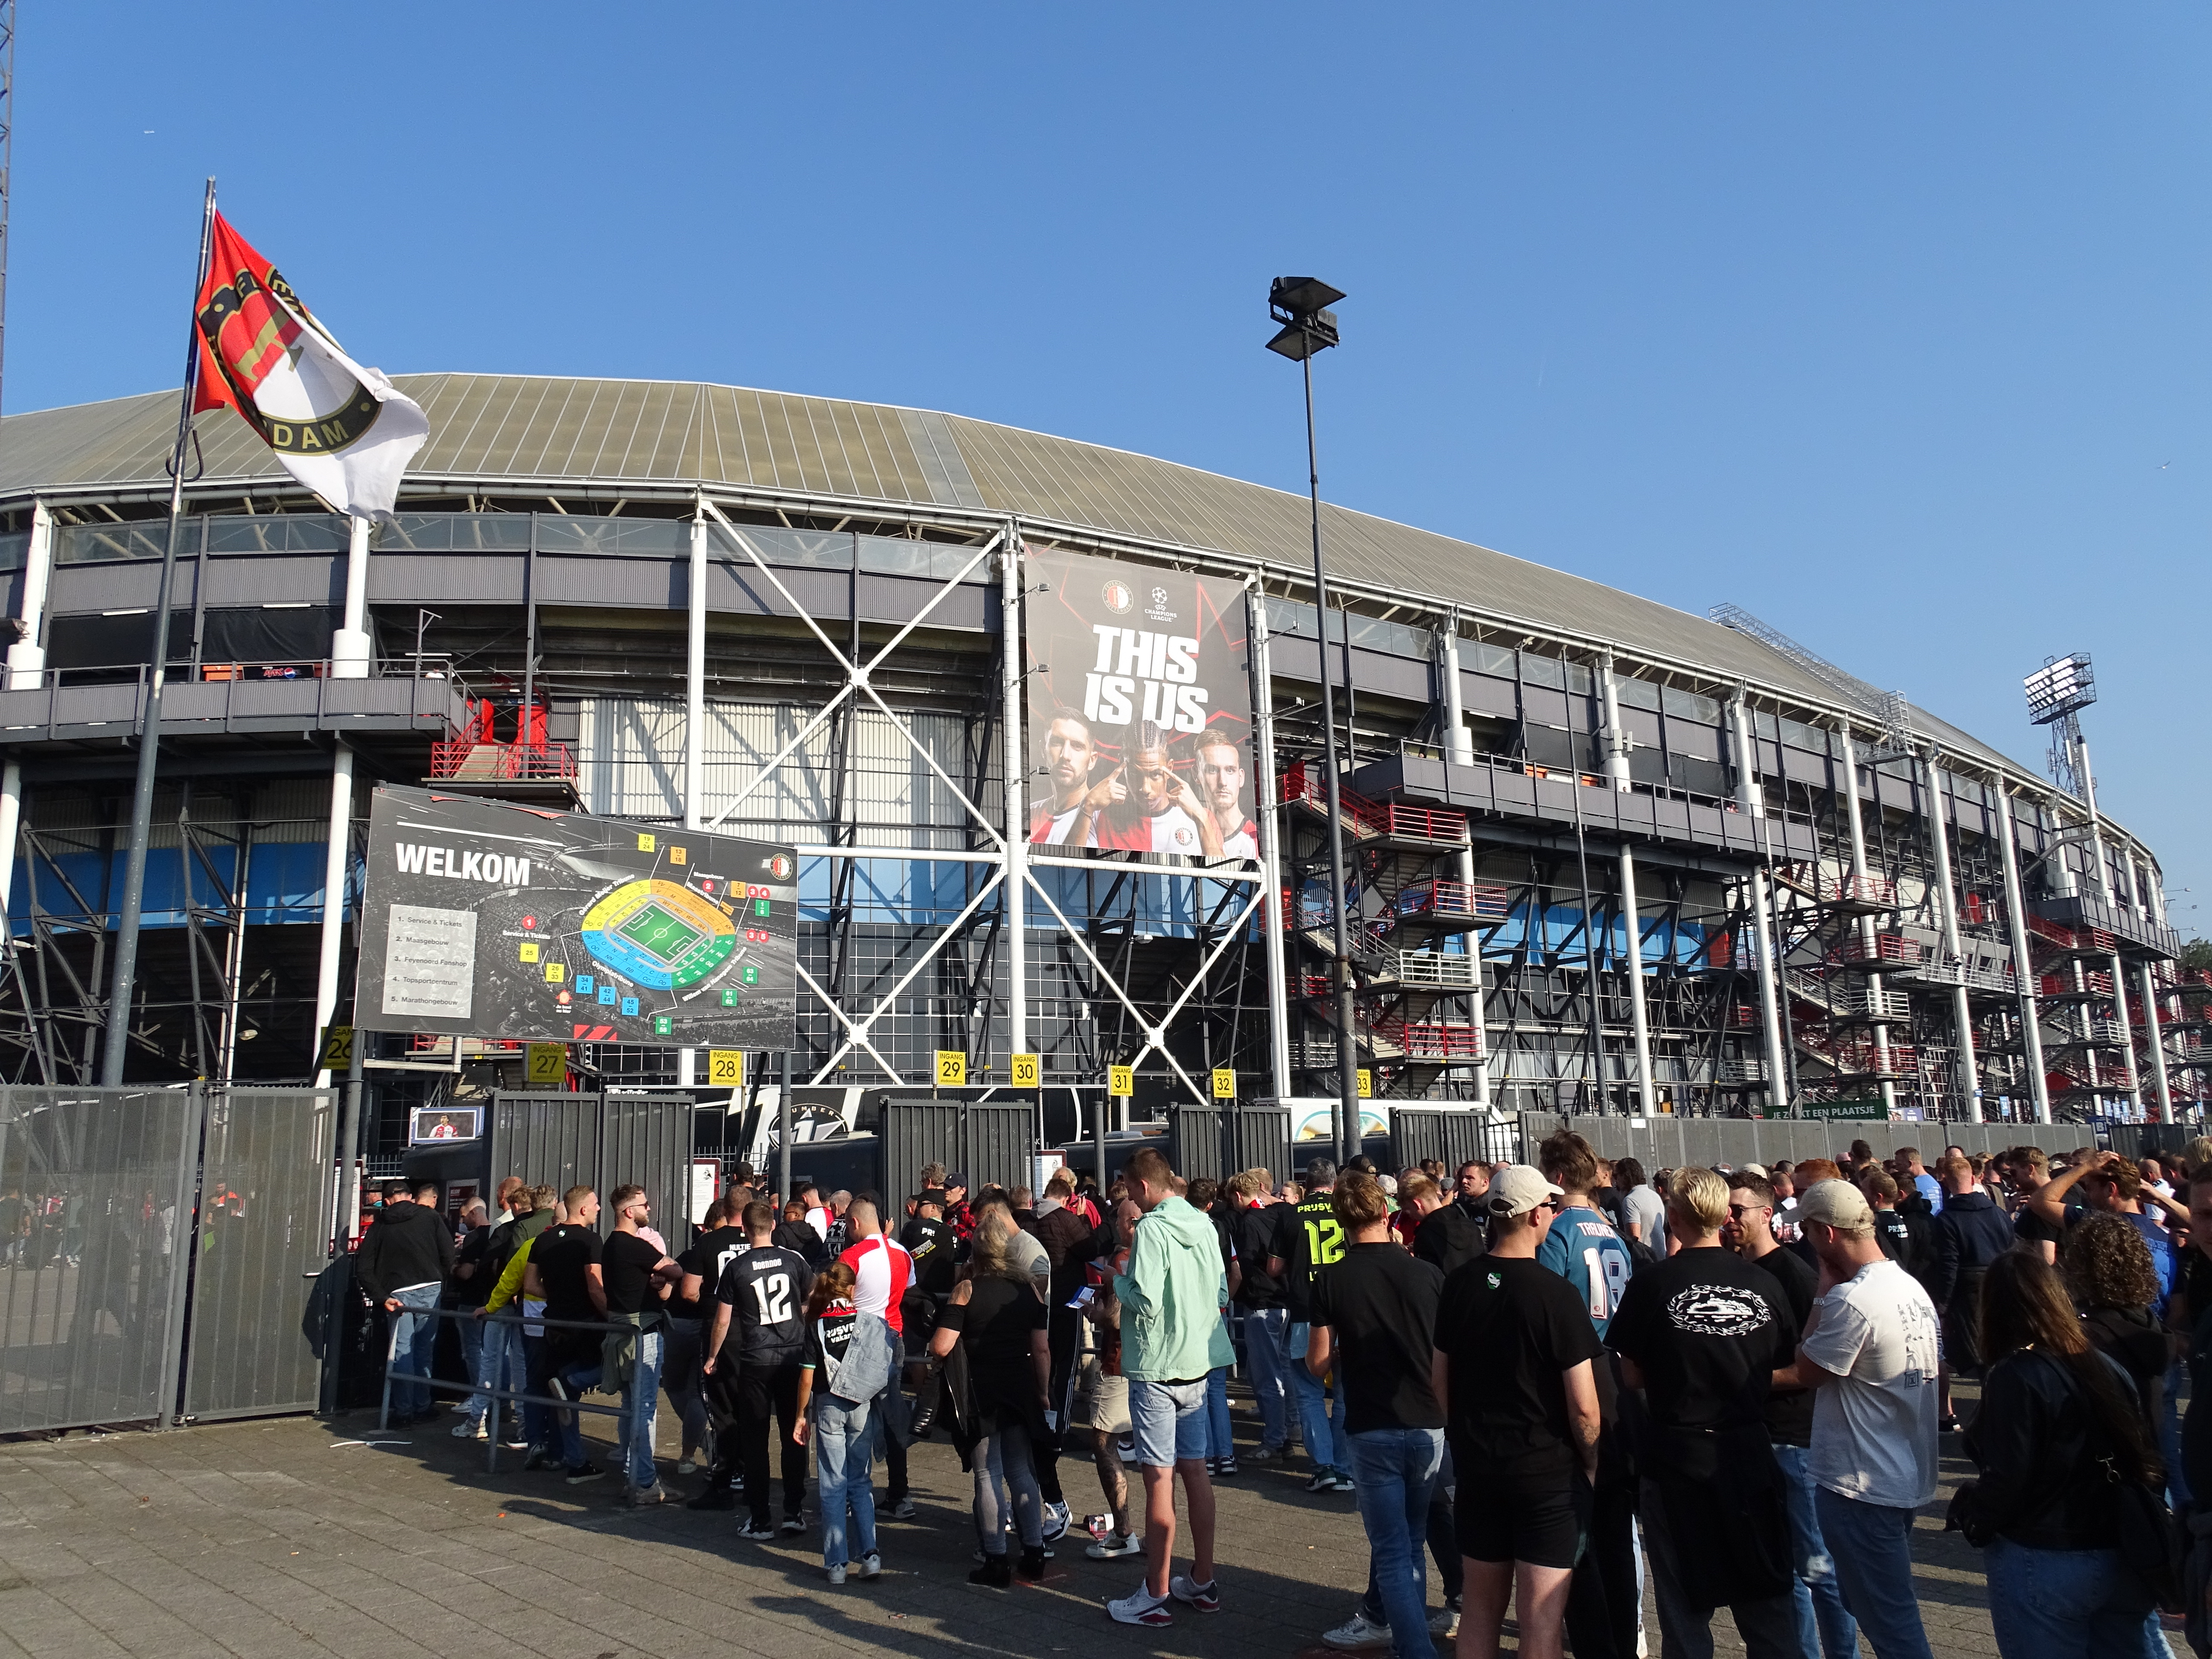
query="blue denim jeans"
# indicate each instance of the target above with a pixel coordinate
(842, 1457)
(640, 1395)
(1313, 1401)
(1872, 1545)
(2068, 1604)
(414, 1342)
(1823, 1626)
(578, 1379)
(1271, 1377)
(537, 1421)
(500, 1365)
(471, 1333)
(1395, 1470)
(1220, 1434)
(1006, 1495)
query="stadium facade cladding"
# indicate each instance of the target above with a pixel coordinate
(683, 576)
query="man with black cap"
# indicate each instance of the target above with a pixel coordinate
(1513, 1368)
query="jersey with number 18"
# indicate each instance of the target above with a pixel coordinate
(1583, 1250)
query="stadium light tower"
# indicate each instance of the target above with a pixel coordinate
(1301, 305)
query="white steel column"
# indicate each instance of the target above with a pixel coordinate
(350, 645)
(335, 867)
(27, 662)
(1012, 680)
(2023, 971)
(1460, 749)
(1267, 812)
(2101, 877)
(2152, 910)
(1868, 931)
(1632, 915)
(1751, 801)
(695, 725)
(1962, 1013)
(1615, 740)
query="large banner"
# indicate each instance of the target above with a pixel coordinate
(485, 920)
(1140, 710)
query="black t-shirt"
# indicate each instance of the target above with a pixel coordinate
(626, 1264)
(705, 1257)
(1512, 1330)
(474, 1251)
(1790, 1413)
(996, 1323)
(934, 1247)
(2031, 1229)
(1308, 1237)
(1709, 1330)
(1450, 1237)
(1382, 1305)
(560, 1255)
(766, 1288)
(1253, 1230)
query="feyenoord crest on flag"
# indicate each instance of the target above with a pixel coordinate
(343, 431)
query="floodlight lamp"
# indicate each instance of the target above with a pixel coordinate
(1299, 341)
(2061, 686)
(1293, 297)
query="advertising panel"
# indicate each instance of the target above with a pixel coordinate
(1140, 710)
(482, 919)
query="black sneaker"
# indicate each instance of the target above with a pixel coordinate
(582, 1474)
(714, 1497)
(793, 1523)
(756, 1529)
(540, 1457)
(1227, 1470)
(995, 1572)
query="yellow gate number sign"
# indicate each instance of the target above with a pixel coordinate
(548, 1064)
(337, 1048)
(1121, 1081)
(1224, 1083)
(1366, 1084)
(1026, 1070)
(725, 1068)
(951, 1069)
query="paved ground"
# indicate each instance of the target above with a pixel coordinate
(295, 1537)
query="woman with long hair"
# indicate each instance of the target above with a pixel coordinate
(2058, 1436)
(842, 1455)
(2109, 1270)
(998, 1319)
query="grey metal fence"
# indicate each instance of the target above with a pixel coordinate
(264, 1212)
(1260, 1136)
(95, 1205)
(1419, 1133)
(1665, 1141)
(989, 1142)
(601, 1141)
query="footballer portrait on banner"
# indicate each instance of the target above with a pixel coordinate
(1139, 711)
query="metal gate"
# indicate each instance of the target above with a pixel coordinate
(96, 1209)
(1419, 1133)
(987, 1141)
(600, 1141)
(265, 1214)
(1260, 1136)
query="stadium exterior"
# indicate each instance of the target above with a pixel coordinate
(1840, 903)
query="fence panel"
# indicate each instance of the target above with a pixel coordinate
(548, 1139)
(1419, 1133)
(647, 1138)
(95, 1194)
(1260, 1136)
(988, 1142)
(264, 1230)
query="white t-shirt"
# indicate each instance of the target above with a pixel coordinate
(1874, 1431)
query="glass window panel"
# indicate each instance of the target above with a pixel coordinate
(1636, 693)
(1543, 671)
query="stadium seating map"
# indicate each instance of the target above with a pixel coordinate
(482, 919)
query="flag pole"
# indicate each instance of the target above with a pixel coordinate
(118, 1034)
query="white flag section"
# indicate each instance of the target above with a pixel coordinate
(343, 431)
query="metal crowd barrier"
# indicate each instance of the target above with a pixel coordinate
(499, 1396)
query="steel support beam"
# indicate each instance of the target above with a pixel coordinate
(1866, 924)
(335, 862)
(1631, 918)
(1267, 813)
(1460, 747)
(1962, 1013)
(2024, 976)
(1751, 799)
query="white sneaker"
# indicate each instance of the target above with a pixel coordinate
(1141, 1606)
(836, 1575)
(1358, 1633)
(871, 1565)
(467, 1429)
(687, 1465)
(1056, 1519)
(1114, 1543)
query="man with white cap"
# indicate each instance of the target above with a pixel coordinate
(1512, 1366)
(1871, 1349)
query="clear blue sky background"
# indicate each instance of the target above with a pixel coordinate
(1886, 322)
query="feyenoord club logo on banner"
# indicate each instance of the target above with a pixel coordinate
(341, 430)
(1141, 711)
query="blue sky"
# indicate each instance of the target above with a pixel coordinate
(1886, 322)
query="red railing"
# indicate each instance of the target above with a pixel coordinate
(465, 761)
(2051, 932)
(1423, 823)
(2060, 985)
(1883, 947)
(1432, 1039)
(1303, 784)
(1484, 901)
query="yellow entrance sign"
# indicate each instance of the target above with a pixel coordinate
(1224, 1083)
(725, 1068)
(1121, 1081)
(951, 1069)
(337, 1048)
(1366, 1084)
(547, 1067)
(1025, 1071)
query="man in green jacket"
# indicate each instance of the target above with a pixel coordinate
(1171, 1290)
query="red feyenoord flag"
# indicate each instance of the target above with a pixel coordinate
(341, 430)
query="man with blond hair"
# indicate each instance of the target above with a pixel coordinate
(1702, 1334)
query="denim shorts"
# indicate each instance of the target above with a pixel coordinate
(1168, 1420)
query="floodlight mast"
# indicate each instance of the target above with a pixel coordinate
(1301, 305)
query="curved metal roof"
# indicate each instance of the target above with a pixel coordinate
(490, 431)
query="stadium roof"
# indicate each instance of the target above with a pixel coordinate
(490, 431)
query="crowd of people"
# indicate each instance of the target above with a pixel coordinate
(1561, 1380)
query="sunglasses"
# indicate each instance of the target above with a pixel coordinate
(1739, 1210)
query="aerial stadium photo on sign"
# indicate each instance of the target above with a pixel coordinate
(486, 920)
(1140, 710)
